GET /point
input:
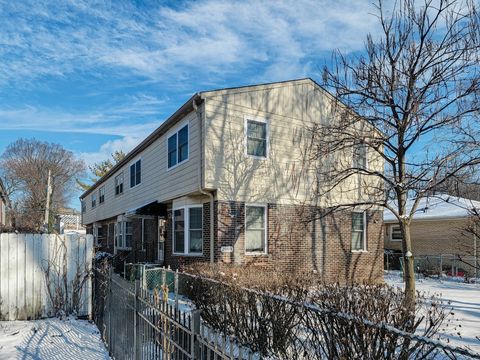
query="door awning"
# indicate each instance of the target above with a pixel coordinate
(153, 208)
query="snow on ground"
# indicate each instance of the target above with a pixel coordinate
(464, 299)
(51, 339)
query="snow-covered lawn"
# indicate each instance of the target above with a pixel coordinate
(51, 339)
(465, 301)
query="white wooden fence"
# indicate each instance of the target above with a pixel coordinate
(41, 275)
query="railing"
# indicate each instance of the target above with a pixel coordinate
(141, 323)
(437, 265)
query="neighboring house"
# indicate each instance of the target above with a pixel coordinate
(3, 204)
(224, 179)
(438, 228)
(69, 221)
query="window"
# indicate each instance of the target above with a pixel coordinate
(358, 231)
(119, 184)
(257, 138)
(135, 173)
(101, 195)
(94, 200)
(395, 233)
(360, 155)
(188, 230)
(98, 234)
(84, 206)
(128, 234)
(255, 229)
(178, 147)
(123, 235)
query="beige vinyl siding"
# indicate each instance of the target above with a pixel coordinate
(290, 109)
(157, 183)
(435, 237)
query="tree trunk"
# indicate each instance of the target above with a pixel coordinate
(408, 268)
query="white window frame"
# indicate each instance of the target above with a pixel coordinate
(129, 173)
(175, 133)
(102, 188)
(123, 235)
(93, 200)
(115, 183)
(186, 236)
(83, 205)
(265, 232)
(267, 139)
(365, 248)
(391, 233)
(354, 165)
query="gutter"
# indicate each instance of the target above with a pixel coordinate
(162, 129)
(395, 221)
(201, 187)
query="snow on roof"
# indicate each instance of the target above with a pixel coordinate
(439, 206)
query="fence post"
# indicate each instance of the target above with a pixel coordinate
(109, 307)
(195, 331)
(176, 290)
(136, 322)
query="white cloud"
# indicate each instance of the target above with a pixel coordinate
(209, 36)
(124, 144)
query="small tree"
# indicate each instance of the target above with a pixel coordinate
(418, 83)
(101, 168)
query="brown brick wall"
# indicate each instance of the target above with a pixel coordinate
(293, 243)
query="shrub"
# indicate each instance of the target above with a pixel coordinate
(291, 315)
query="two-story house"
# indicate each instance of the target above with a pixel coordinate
(225, 179)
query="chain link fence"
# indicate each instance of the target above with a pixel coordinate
(437, 265)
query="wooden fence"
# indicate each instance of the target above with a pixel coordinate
(42, 275)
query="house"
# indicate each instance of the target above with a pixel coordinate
(438, 231)
(224, 179)
(3, 204)
(69, 221)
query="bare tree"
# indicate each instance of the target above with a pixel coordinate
(418, 84)
(25, 165)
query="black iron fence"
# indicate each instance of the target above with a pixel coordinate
(146, 316)
(140, 323)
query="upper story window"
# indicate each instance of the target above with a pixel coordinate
(119, 184)
(178, 147)
(395, 233)
(101, 195)
(359, 242)
(256, 134)
(94, 200)
(255, 229)
(135, 173)
(188, 230)
(360, 155)
(84, 206)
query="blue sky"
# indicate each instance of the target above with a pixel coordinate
(98, 76)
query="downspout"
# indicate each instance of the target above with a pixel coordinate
(201, 189)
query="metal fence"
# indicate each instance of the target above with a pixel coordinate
(437, 265)
(145, 315)
(138, 322)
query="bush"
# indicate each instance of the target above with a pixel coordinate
(291, 315)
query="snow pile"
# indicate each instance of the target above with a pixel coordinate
(51, 339)
(464, 299)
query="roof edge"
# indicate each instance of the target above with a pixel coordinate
(159, 131)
